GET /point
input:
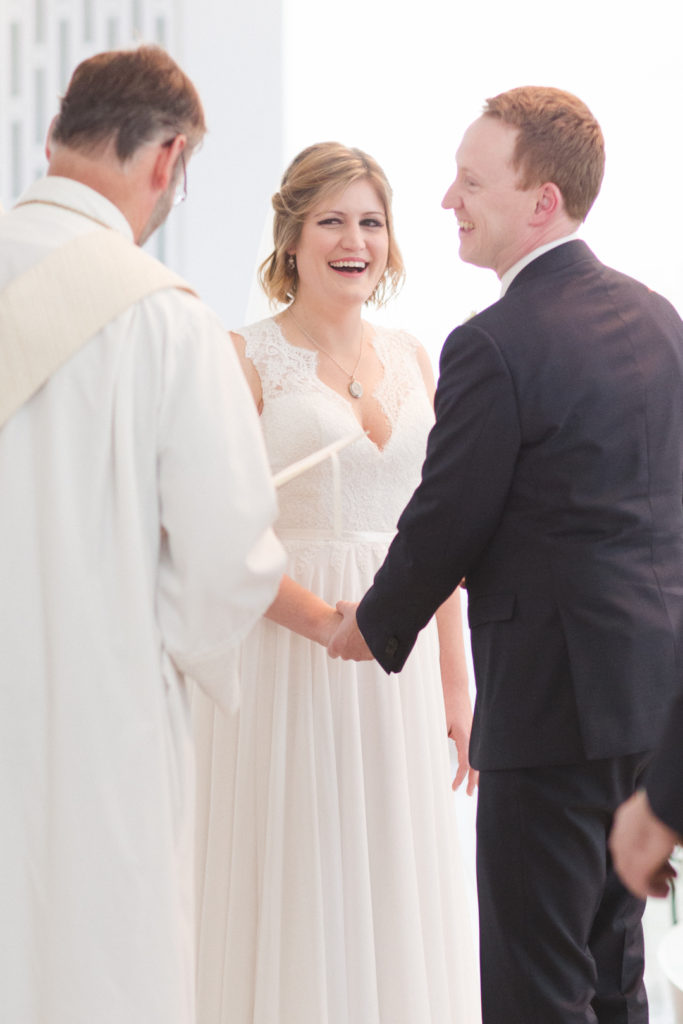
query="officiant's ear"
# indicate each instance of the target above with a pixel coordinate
(48, 139)
(548, 201)
(167, 157)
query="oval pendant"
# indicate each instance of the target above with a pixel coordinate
(355, 389)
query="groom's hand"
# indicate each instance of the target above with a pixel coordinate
(348, 642)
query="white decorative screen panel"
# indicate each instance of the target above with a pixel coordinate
(41, 42)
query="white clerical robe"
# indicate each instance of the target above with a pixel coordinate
(135, 547)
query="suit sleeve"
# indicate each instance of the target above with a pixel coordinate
(664, 783)
(466, 476)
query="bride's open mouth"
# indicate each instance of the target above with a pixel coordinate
(354, 266)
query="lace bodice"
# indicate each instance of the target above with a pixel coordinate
(301, 414)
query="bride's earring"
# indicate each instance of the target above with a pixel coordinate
(291, 263)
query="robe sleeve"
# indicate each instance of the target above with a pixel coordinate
(220, 562)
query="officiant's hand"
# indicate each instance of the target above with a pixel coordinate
(348, 642)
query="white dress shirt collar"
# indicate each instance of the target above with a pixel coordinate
(510, 274)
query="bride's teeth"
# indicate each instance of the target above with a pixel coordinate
(349, 264)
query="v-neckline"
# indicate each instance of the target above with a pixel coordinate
(327, 388)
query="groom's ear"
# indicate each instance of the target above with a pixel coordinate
(548, 201)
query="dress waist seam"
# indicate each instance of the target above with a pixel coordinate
(329, 536)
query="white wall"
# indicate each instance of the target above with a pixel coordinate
(401, 80)
(404, 79)
(232, 51)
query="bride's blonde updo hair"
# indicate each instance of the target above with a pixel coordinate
(319, 172)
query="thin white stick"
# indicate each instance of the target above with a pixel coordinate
(296, 468)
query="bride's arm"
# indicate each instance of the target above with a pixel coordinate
(425, 365)
(455, 685)
(303, 612)
(249, 370)
(294, 607)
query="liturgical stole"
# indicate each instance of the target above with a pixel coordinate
(52, 309)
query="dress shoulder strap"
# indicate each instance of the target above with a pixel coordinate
(397, 351)
(259, 337)
(281, 366)
(52, 309)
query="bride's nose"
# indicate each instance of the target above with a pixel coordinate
(353, 237)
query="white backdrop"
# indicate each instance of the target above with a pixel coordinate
(403, 80)
(400, 79)
(233, 52)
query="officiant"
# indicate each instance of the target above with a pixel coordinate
(135, 546)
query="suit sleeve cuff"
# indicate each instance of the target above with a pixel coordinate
(387, 648)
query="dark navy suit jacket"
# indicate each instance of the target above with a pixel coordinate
(554, 484)
(665, 776)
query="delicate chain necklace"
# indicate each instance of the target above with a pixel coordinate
(355, 386)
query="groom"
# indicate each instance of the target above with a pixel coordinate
(552, 483)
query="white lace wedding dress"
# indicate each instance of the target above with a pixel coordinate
(329, 876)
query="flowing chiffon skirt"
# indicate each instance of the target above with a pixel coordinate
(329, 879)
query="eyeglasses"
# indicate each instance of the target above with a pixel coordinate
(181, 190)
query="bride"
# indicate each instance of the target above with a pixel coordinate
(330, 885)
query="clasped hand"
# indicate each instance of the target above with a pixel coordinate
(347, 641)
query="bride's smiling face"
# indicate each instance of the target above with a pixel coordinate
(344, 245)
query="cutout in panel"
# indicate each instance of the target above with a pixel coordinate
(160, 31)
(39, 23)
(88, 21)
(17, 170)
(15, 58)
(137, 18)
(113, 34)
(64, 53)
(39, 105)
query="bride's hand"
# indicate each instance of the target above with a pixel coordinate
(303, 612)
(348, 642)
(329, 624)
(459, 725)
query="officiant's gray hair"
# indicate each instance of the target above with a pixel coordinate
(317, 173)
(129, 96)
